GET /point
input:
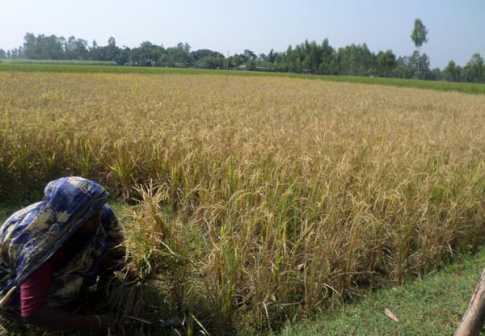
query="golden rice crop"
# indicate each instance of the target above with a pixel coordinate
(270, 198)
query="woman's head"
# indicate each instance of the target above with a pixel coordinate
(33, 234)
(75, 192)
(80, 199)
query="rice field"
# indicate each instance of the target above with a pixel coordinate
(87, 67)
(256, 200)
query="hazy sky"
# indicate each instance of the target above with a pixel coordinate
(457, 27)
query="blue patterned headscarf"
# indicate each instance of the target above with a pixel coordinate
(34, 234)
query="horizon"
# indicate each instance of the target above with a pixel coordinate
(271, 25)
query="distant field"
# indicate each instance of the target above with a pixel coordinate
(264, 198)
(31, 62)
(106, 67)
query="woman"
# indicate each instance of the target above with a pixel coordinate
(53, 249)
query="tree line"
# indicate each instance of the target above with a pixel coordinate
(308, 57)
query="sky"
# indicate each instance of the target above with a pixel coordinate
(456, 27)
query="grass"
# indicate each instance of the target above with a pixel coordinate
(262, 199)
(101, 67)
(433, 305)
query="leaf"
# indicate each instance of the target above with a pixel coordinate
(391, 315)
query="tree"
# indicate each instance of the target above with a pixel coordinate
(3, 54)
(403, 69)
(250, 57)
(475, 70)
(419, 65)
(178, 56)
(111, 50)
(419, 37)
(312, 56)
(184, 47)
(30, 42)
(112, 42)
(452, 72)
(76, 48)
(123, 56)
(419, 34)
(147, 54)
(356, 60)
(206, 58)
(43, 47)
(386, 63)
(436, 74)
(328, 64)
(271, 56)
(416, 66)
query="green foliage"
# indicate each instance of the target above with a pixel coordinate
(44, 47)
(419, 34)
(356, 60)
(474, 71)
(205, 58)
(453, 72)
(386, 63)
(308, 57)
